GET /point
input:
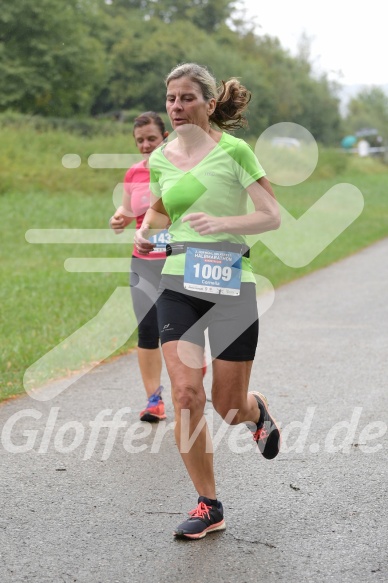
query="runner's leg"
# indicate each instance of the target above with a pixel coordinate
(189, 401)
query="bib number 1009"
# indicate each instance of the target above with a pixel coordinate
(214, 272)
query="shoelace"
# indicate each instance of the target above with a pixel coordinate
(153, 400)
(201, 510)
(260, 434)
(155, 397)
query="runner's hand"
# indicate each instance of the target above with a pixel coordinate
(120, 220)
(142, 244)
(204, 224)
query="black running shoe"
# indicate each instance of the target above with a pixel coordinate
(203, 519)
(267, 434)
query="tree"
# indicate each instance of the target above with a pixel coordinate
(138, 68)
(50, 63)
(369, 109)
(96, 56)
(207, 15)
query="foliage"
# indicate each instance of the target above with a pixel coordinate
(83, 126)
(205, 14)
(92, 57)
(331, 163)
(31, 159)
(50, 62)
(369, 109)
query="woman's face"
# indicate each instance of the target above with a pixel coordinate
(185, 104)
(148, 138)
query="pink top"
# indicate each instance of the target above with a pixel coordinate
(136, 184)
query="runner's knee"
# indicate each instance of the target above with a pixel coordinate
(187, 396)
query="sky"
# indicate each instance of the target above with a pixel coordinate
(348, 39)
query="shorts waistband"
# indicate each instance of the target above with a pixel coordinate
(178, 248)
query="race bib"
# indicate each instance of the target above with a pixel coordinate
(212, 272)
(160, 240)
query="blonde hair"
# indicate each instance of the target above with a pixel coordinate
(231, 97)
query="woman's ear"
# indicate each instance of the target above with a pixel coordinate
(211, 107)
(165, 135)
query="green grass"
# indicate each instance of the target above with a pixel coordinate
(42, 304)
(368, 228)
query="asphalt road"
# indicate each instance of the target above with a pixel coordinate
(90, 504)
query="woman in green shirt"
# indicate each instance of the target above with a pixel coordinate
(203, 180)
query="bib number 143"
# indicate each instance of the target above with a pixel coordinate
(160, 240)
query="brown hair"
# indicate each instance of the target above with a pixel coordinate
(232, 97)
(149, 117)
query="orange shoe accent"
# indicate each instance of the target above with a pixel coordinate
(203, 519)
(154, 412)
(267, 434)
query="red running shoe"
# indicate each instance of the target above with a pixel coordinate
(154, 410)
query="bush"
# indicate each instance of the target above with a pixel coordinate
(331, 162)
(79, 126)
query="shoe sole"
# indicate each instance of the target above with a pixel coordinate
(152, 418)
(265, 402)
(212, 528)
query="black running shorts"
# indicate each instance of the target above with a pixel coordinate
(232, 321)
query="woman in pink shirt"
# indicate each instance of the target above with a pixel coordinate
(149, 132)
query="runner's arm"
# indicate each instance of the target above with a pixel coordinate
(156, 219)
(266, 216)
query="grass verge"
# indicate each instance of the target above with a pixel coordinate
(42, 304)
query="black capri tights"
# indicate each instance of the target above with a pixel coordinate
(144, 279)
